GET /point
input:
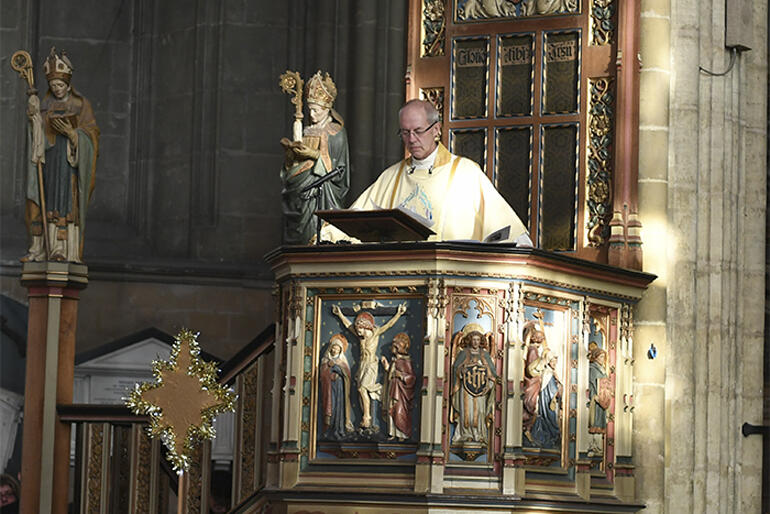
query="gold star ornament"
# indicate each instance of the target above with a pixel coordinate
(183, 401)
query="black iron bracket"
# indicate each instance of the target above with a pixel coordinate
(748, 429)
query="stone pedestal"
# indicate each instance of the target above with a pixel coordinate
(54, 289)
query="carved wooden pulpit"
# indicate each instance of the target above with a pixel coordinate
(460, 375)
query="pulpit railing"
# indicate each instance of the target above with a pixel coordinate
(118, 468)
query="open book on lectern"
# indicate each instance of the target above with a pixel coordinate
(379, 225)
(399, 224)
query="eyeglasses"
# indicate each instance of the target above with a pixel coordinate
(403, 133)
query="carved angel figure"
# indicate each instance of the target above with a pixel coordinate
(473, 385)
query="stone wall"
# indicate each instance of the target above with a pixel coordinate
(187, 100)
(702, 196)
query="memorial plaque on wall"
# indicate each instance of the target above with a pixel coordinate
(558, 180)
(470, 77)
(561, 72)
(513, 158)
(470, 143)
(515, 74)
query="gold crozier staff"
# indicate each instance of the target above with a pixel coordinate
(22, 62)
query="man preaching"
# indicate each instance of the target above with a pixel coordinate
(450, 192)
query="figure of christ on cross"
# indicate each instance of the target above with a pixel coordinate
(369, 338)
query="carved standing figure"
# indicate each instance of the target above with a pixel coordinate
(599, 396)
(368, 334)
(546, 430)
(532, 381)
(335, 388)
(473, 386)
(322, 148)
(398, 393)
(63, 139)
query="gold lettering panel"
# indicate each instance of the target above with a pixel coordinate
(513, 158)
(470, 77)
(561, 72)
(470, 143)
(515, 74)
(558, 191)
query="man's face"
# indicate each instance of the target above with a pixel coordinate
(475, 341)
(59, 88)
(318, 113)
(362, 329)
(6, 495)
(414, 120)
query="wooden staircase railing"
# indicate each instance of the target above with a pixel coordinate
(118, 468)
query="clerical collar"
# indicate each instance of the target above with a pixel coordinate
(426, 163)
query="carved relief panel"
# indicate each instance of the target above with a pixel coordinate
(550, 335)
(474, 367)
(362, 365)
(600, 347)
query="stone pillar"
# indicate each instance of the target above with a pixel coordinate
(649, 398)
(54, 289)
(715, 271)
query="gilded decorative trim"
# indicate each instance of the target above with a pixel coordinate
(484, 305)
(465, 274)
(121, 466)
(142, 479)
(626, 324)
(543, 298)
(194, 480)
(248, 406)
(295, 299)
(95, 458)
(602, 22)
(434, 95)
(599, 160)
(434, 289)
(433, 28)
